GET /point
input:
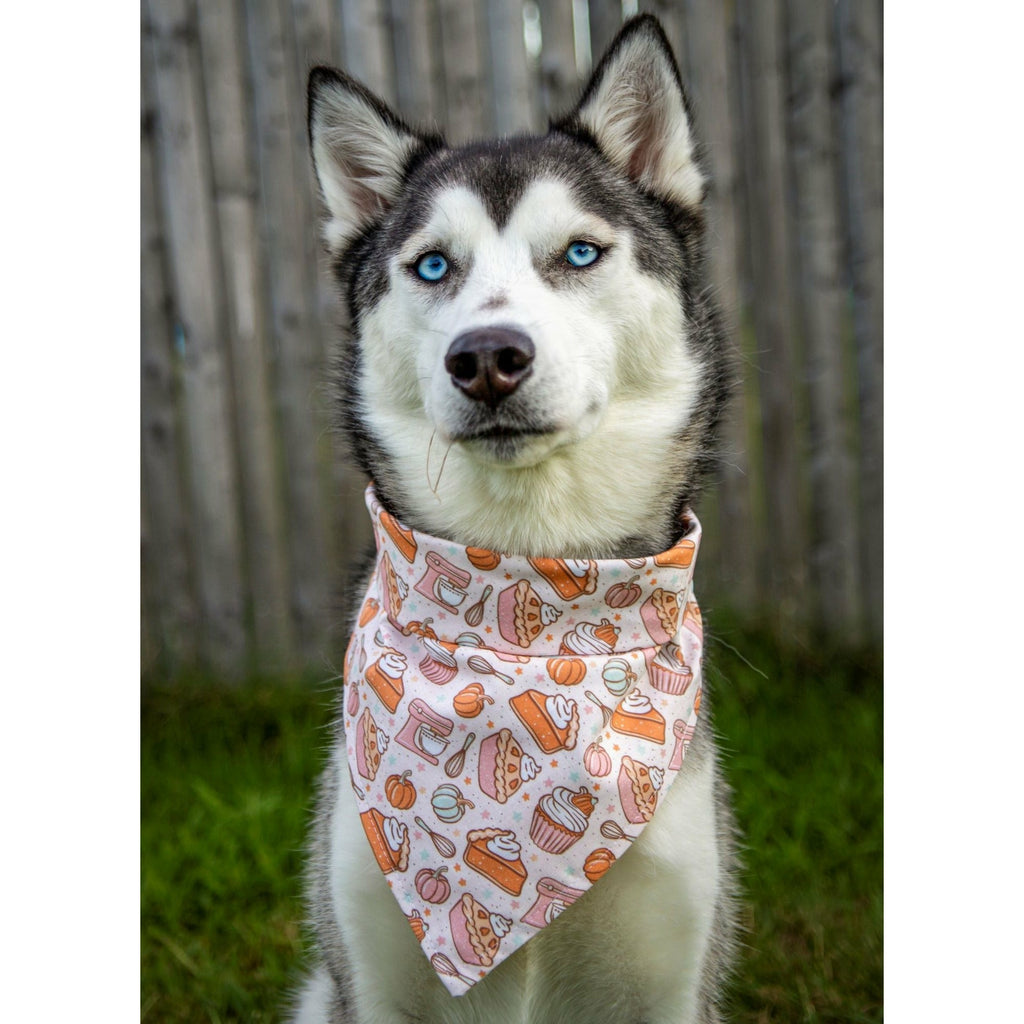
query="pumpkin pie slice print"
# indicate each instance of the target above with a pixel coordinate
(476, 931)
(384, 677)
(570, 578)
(523, 614)
(371, 742)
(504, 766)
(636, 716)
(389, 840)
(553, 720)
(639, 785)
(495, 854)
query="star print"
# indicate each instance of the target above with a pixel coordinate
(575, 607)
(462, 881)
(519, 671)
(487, 629)
(490, 724)
(554, 764)
(526, 796)
(508, 575)
(533, 856)
(458, 867)
(549, 637)
(615, 746)
(617, 616)
(486, 815)
(463, 727)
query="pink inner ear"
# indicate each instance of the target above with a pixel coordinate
(648, 149)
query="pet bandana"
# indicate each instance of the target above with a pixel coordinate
(512, 725)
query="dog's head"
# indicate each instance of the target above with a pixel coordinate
(526, 313)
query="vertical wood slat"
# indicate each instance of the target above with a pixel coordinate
(708, 42)
(860, 57)
(466, 82)
(221, 34)
(367, 45)
(605, 21)
(783, 544)
(296, 347)
(510, 75)
(560, 83)
(419, 88)
(170, 610)
(191, 231)
(822, 305)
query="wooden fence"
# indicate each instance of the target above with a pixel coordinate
(248, 515)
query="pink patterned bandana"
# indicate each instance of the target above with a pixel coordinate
(512, 725)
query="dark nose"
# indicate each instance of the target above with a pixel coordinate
(488, 364)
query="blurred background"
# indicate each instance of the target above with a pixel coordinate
(249, 515)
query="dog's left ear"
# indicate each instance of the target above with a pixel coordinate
(635, 110)
(361, 152)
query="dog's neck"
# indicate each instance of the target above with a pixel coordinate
(583, 504)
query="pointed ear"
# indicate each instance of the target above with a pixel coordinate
(635, 110)
(361, 152)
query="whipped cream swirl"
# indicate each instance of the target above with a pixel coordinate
(558, 806)
(559, 709)
(500, 925)
(584, 641)
(505, 846)
(392, 664)
(636, 703)
(528, 768)
(394, 833)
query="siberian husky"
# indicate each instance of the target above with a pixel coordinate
(533, 366)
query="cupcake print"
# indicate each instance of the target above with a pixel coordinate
(560, 818)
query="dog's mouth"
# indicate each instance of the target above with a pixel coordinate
(520, 445)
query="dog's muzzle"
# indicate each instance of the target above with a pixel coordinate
(489, 363)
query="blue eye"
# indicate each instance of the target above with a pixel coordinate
(582, 254)
(432, 267)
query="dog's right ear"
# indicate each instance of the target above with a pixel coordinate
(361, 152)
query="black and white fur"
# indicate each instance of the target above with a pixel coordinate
(593, 453)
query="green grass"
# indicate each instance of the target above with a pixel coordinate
(227, 778)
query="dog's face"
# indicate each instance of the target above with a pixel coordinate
(521, 305)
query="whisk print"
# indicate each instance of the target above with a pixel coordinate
(612, 830)
(443, 965)
(606, 712)
(453, 766)
(442, 844)
(475, 613)
(485, 668)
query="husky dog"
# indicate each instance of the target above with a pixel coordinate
(533, 366)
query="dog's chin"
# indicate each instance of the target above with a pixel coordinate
(512, 448)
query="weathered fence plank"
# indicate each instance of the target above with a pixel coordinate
(199, 325)
(822, 307)
(860, 57)
(296, 347)
(560, 82)
(166, 579)
(605, 20)
(221, 35)
(419, 83)
(783, 544)
(708, 48)
(466, 84)
(367, 45)
(510, 76)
